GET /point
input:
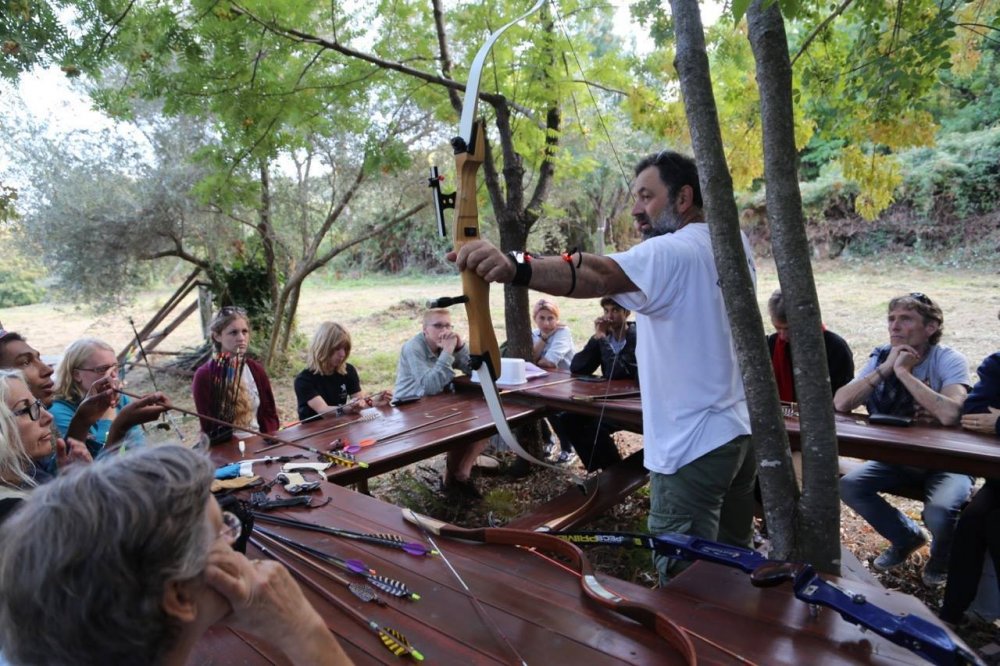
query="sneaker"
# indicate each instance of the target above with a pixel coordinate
(565, 457)
(893, 556)
(933, 576)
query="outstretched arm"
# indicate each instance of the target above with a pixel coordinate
(596, 275)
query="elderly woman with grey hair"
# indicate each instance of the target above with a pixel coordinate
(129, 561)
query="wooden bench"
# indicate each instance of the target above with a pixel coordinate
(612, 486)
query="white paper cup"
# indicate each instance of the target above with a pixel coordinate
(512, 371)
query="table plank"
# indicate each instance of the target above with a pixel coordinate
(926, 445)
(931, 446)
(384, 457)
(539, 606)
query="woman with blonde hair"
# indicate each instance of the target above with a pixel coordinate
(328, 380)
(88, 374)
(233, 387)
(25, 441)
(552, 341)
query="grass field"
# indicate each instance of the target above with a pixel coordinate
(381, 313)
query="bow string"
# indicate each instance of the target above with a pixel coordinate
(470, 150)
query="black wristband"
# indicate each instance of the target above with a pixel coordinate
(568, 258)
(522, 268)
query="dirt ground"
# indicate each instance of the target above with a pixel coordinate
(380, 315)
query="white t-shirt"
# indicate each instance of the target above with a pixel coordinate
(692, 391)
(559, 348)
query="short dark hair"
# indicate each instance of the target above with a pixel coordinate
(776, 307)
(6, 337)
(923, 305)
(607, 300)
(676, 171)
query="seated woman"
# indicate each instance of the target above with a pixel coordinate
(145, 567)
(88, 406)
(978, 529)
(223, 388)
(552, 349)
(552, 341)
(328, 380)
(25, 441)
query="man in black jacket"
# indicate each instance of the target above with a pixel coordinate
(612, 349)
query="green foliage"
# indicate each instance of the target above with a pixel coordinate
(8, 199)
(31, 34)
(19, 274)
(817, 153)
(16, 290)
(971, 100)
(243, 282)
(959, 177)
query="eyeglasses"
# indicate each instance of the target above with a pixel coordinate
(231, 310)
(232, 526)
(34, 410)
(919, 296)
(440, 324)
(102, 369)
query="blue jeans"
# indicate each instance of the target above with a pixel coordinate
(944, 495)
(710, 497)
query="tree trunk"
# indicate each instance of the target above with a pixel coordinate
(770, 440)
(289, 319)
(266, 231)
(279, 308)
(818, 517)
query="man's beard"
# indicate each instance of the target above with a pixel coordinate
(667, 222)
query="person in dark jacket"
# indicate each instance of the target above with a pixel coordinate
(978, 529)
(612, 349)
(839, 358)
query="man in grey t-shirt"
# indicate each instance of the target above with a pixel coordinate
(913, 375)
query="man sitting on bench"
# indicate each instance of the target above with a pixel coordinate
(911, 376)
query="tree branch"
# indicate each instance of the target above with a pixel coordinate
(820, 28)
(360, 239)
(306, 38)
(456, 103)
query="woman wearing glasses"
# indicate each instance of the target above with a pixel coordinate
(86, 399)
(233, 387)
(26, 441)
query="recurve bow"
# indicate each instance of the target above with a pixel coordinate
(469, 148)
(650, 618)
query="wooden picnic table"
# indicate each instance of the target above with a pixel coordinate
(434, 434)
(616, 401)
(951, 449)
(539, 606)
(924, 445)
